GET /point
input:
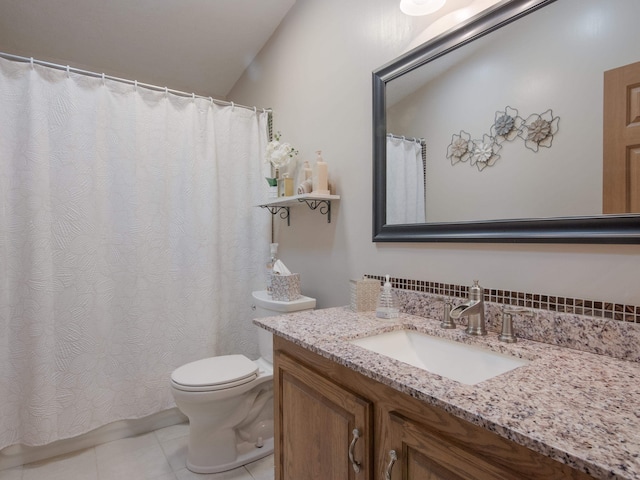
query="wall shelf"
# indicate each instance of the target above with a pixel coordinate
(281, 205)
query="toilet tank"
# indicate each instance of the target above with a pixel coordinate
(264, 306)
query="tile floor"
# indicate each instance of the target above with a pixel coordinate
(158, 455)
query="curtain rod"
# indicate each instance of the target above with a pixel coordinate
(421, 141)
(67, 68)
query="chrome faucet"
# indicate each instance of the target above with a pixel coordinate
(474, 310)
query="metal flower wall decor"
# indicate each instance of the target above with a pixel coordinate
(537, 131)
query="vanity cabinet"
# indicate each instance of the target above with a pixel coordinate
(319, 403)
(324, 431)
(415, 452)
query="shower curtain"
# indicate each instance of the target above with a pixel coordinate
(129, 245)
(405, 182)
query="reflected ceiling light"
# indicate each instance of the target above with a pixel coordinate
(420, 7)
(450, 20)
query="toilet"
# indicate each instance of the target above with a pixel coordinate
(229, 399)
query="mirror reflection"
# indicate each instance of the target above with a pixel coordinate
(547, 66)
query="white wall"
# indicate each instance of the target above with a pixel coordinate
(315, 73)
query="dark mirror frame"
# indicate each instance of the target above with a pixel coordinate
(620, 229)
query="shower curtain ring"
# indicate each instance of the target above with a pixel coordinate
(31, 60)
(68, 72)
(232, 106)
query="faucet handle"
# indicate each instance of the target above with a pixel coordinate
(447, 321)
(510, 309)
(507, 335)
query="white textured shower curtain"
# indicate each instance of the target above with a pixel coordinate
(129, 245)
(405, 182)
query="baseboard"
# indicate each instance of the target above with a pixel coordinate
(16, 455)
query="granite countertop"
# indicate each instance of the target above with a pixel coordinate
(579, 408)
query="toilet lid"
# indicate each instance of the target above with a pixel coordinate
(215, 373)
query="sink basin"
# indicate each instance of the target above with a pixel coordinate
(457, 361)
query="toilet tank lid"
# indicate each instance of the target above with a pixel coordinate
(215, 371)
(263, 300)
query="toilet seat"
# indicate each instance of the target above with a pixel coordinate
(215, 373)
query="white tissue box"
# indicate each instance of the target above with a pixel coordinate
(285, 288)
(364, 294)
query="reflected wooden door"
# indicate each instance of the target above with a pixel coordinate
(621, 143)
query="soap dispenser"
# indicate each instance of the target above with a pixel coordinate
(321, 177)
(387, 302)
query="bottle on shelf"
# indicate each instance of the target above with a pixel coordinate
(305, 179)
(285, 186)
(321, 184)
(308, 173)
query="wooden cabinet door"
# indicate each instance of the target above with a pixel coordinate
(315, 424)
(424, 455)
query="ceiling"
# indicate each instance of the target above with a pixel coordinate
(200, 46)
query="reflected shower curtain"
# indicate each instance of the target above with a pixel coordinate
(129, 245)
(405, 182)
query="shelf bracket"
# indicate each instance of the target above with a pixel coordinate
(284, 212)
(325, 206)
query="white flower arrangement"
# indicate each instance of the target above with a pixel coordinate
(280, 154)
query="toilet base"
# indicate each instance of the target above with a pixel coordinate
(247, 453)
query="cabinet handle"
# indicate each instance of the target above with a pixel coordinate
(393, 456)
(356, 436)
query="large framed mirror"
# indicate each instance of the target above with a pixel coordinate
(526, 113)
